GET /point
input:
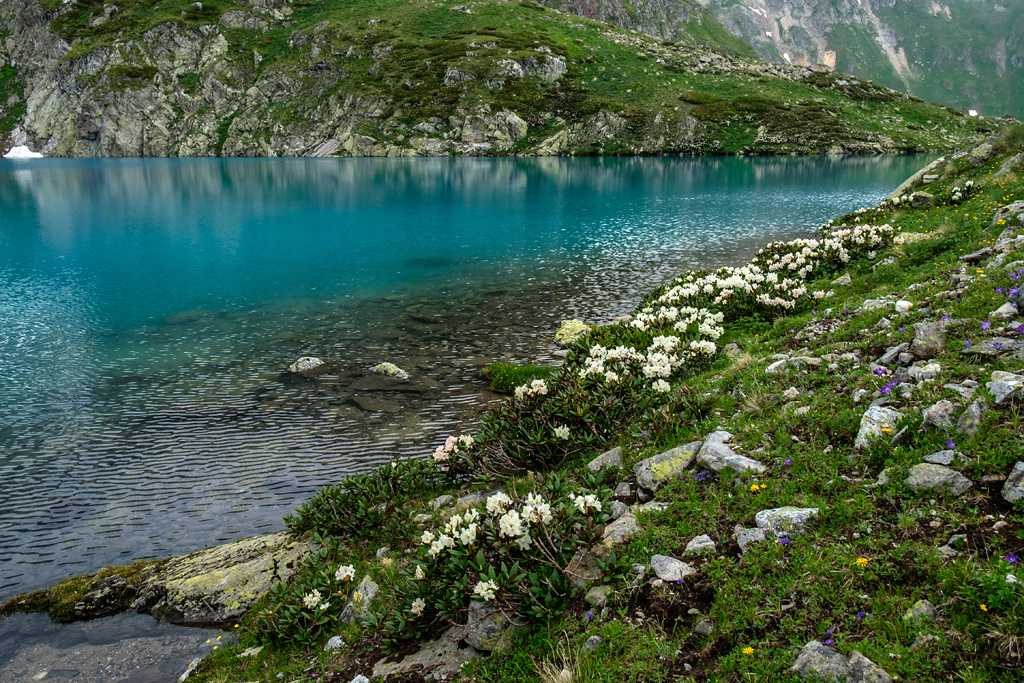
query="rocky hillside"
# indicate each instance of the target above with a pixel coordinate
(398, 78)
(961, 53)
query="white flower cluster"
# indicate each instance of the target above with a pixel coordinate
(312, 600)
(451, 447)
(586, 503)
(562, 432)
(345, 573)
(417, 606)
(486, 590)
(537, 387)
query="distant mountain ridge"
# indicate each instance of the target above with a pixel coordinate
(967, 54)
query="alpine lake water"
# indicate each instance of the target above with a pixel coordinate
(150, 307)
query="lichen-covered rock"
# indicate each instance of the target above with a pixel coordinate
(439, 658)
(214, 587)
(701, 543)
(929, 340)
(920, 610)
(608, 460)
(305, 364)
(744, 537)
(597, 597)
(359, 602)
(1005, 386)
(390, 370)
(863, 670)
(621, 530)
(570, 331)
(821, 661)
(785, 520)
(653, 472)
(490, 629)
(939, 415)
(877, 421)
(970, 421)
(1013, 488)
(926, 476)
(715, 455)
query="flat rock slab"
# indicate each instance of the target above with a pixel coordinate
(927, 476)
(715, 455)
(785, 520)
(653, 472)
(700, 543)
(1005, 386)
(608, 460)
(215, 587)
(744, 537)
(670, 569)
(939, 415)
(876, 419)
(947, 458)
(1013, 489)
(440, 658)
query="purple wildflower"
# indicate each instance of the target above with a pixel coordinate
(985, 325)
(1013, 291)
(785, 541)
(901, 328)
(1020, 329)
(950, 444)
(788, 461)
(830, 632)
(1015, 275)
(967, 343)
(888, 387)
(861, 615)
(998, 345)
(701, 476)
(829, 641)
(999, 290)
(1011, 558)
(945, 319)
(879, 371)
(679, 582)
(792, 331)
(589, 616)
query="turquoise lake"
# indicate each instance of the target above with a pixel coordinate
(149, 308)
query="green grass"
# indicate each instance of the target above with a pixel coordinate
(505, 377)
(10, 87)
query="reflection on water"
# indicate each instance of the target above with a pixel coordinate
(148, 308)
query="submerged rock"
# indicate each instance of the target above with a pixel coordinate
(390, 370)
(305, 365)
(570, 331)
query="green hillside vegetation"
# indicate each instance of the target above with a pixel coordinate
(410, 64)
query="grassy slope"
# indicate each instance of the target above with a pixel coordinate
(607, 72)
(870, 556)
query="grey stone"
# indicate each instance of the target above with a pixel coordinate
(892, 353)
(705, 627)
(979, 255)
(334, 643)
(441, 501)
(820, 661)
(843, 279)
(875, 305)
(947, 552)
(922, 609)
(785, 520)
(946, 457)
(924, 373)
(970, 421)
(670, 569)
(1005, 385)
(607, 460)
(777, 367)
(994, 346)
(863, 670)
(922, 641)
(939, 415)
(598, 596)
(621, 530)
(873, 422)
(591, 644)
(359, 601)
(905, 358)
(360, 678)
(1005, 312)
(490, 629)
(883, 324)
(1013, 489)
(982, 153)
(744, 537)
(652, 506)
(653, 472)
(715, 455)
(926, 476)
(732, 350)
(305, 364)
(439, 658)
(1006, 214)
(929, 340)
(623, 490)
(618, 509)
(964, 391)
(700, 543)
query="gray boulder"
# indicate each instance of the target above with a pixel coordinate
(947, 457)
(715, 455)
(439, 658)
(921, 200)
(939, 415)
(820, 661)
(929, 339)
(490, 630)
(892, 353)
(652, 472)
(982, 153)
(744, 537)
(305, 364)
(876, 419)
(1006, 214)
(670, 569)
(970, 421)
(1005, 385)
(607, 460)
(618, 509)
(359, 601)
(785, 520)
(1005, 312)
(597, 596)
(700, 543)
(926, 476)
(591, 644)
(1013, 489)
(920, 610)
(621, 530)
(863, 670)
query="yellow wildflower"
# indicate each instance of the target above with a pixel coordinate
(984, 608)
(862, 561)
(748, 650)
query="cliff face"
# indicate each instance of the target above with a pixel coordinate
(961, 53)
(270, 78)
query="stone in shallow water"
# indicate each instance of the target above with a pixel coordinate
(390, 370)
(305, 364)
(570, 331)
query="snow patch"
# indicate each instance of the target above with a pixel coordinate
(768, 33)
(785, 55)
(22, 152)
(972, 112)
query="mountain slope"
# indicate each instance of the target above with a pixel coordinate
(393, 78)
(962, 53)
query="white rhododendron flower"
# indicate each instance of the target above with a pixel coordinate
(417, 606)
(345, 573)
(468, 535)
(311, 600)
(510, 524)
(427, 538)
(420, 574)
(486, 590)
(562, 432)
(537, 387)
(587, 502)
(497, 503)
(661, 386)
(524, 542)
